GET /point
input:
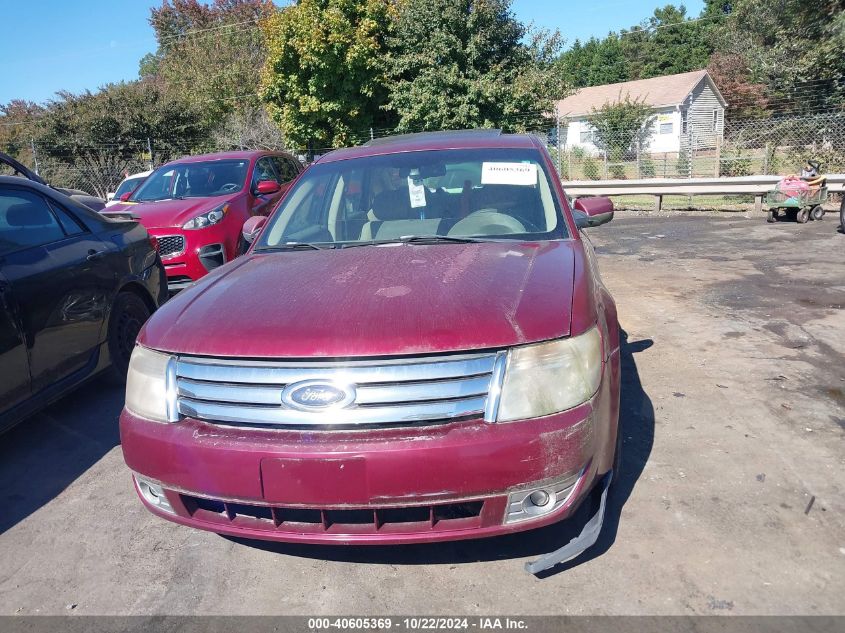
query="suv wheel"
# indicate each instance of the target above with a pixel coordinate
(129, 313)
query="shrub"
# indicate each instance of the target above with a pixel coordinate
(647, 167)
(591, 169)
(735, 163)
(616, 171)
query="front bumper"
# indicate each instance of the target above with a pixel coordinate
(203, 250)
(379, 486)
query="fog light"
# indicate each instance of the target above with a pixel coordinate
(531, 503)
(154, 494)
(539, 497)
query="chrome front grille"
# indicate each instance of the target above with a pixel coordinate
(170, 245)
(388, 392)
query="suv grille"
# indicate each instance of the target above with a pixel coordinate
(170, 245)
(387, 392)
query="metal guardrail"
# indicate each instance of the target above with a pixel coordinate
(659, 187)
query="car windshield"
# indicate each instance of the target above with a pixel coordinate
(193, 180)
(128, 185)
(444, 195)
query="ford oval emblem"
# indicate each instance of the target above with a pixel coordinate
(318, 395)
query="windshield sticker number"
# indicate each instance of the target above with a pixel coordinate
(417, 192)
(524, 174)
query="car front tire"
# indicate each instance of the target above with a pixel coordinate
(128, 315)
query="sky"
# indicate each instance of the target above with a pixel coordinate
(79, 45)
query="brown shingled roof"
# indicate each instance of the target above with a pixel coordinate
(670, 90)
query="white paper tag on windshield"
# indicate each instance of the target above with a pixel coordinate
(524, 174)
(417, 193)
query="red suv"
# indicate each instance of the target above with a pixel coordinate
(196, 206)
(436, 357)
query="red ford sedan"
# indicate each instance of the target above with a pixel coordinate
(196, 206)
(417, 347)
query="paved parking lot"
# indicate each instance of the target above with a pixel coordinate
(731, 499)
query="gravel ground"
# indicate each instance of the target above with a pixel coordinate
(731, 499)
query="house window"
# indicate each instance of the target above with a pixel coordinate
(715, 120)
(684, 122)
(666, 128)
(586, 136)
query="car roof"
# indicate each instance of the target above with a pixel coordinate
(452, 139)
(238, 155)
(21, 180)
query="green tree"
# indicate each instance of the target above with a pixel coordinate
(324, 75)
(795, 48)
(608, 65)
(209, 54)
(99, 135)
(18, 121)
(622, 127)
(469, 63)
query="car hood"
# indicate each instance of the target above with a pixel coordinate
(373, 301)
(167, 213)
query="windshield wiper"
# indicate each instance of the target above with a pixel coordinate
(425, 239)
(291, 246)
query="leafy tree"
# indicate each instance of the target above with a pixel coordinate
(100, 135)
(608, 64)
(732, 76)
(469, 63)
(324, 76)
(795, 48)
(621, 127)
(18, 120)
(209, 54)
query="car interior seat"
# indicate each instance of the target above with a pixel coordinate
(392, 216)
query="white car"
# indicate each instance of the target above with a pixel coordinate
(129, 184)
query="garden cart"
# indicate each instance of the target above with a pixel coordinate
(797, 205)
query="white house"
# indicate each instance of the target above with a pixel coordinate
(689, 111)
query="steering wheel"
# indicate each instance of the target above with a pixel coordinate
(487, 222)
(230, 186)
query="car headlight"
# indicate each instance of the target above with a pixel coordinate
(550, 377)
(151, 385)
(207, 219)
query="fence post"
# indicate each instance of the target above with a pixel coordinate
(371, 134)
(150, 152)
(766, 160)
(34, 155)
(605, 163)
(717, 169)
(559, 158)
(639, 172)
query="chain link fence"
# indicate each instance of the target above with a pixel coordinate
(774, 145)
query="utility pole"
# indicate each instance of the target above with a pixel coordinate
(34, 155)
(150, 152)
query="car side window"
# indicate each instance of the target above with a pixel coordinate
(69, 223)
(26, 220)
(264, 170)
(286, 167)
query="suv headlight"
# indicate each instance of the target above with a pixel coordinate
(151, 385)
(207, 219)
(550, 377)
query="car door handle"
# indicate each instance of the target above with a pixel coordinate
(93, 255)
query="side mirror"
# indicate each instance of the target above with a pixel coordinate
(125, 196)
(593, 212)
(267, 187)
(253, 226)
